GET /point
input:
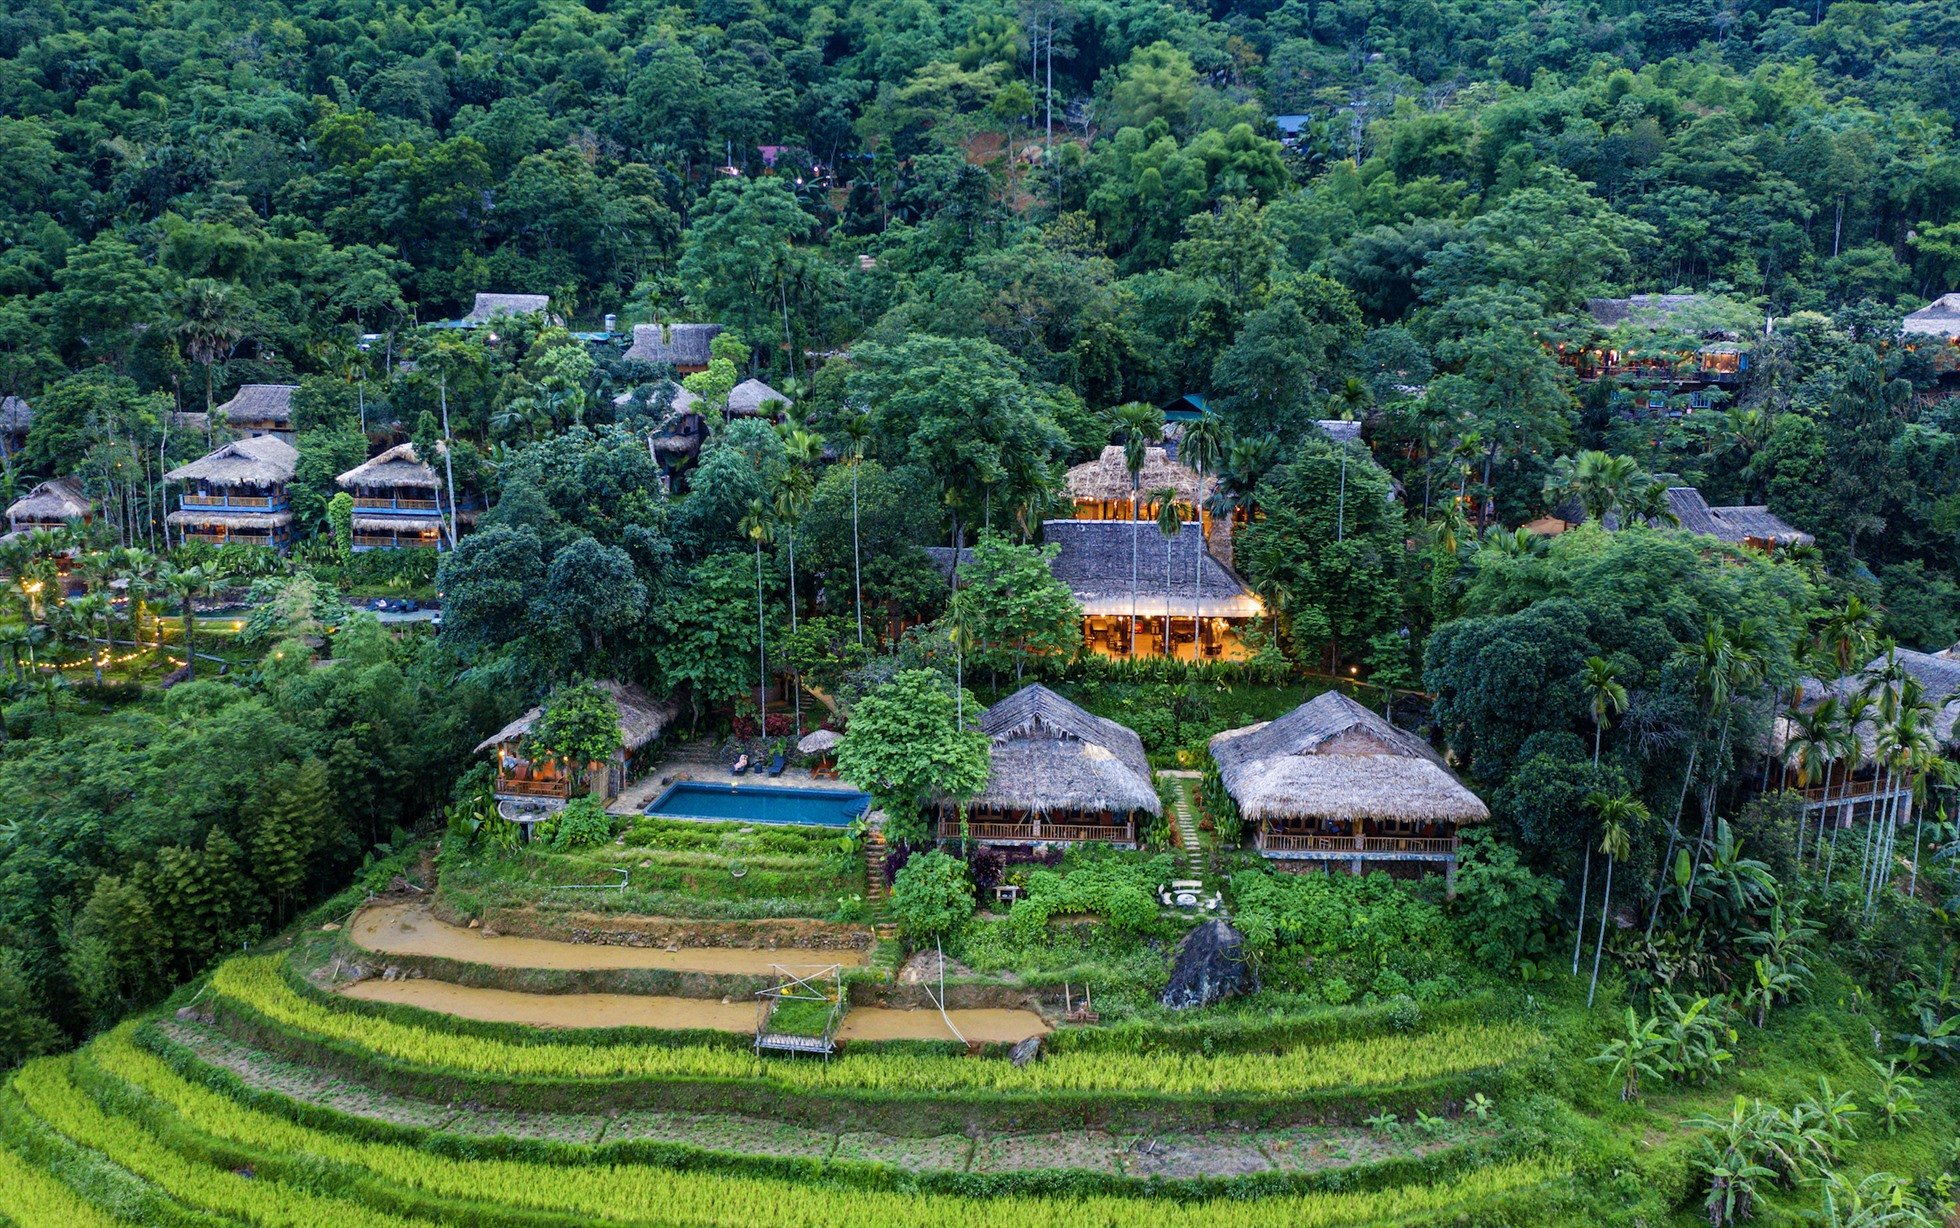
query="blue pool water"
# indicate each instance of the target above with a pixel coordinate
(693, 799)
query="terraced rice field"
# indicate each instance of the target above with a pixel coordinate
(193, 1120)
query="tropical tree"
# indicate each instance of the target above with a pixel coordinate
(1169, 524)
(1142, 424)
(185, 585)
(908, 743)
(1203, 447)
(1811, 750)
(793, 489)
(855, 427)
(759, 529)
(208, 325)
(1606, 695)
(1617, 814)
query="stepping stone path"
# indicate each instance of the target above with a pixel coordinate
(1187, 825)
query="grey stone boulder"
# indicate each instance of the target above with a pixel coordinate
(1210, 967)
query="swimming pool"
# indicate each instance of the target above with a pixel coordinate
(694, 799)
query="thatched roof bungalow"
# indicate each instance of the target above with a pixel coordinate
(528, 785)
(1847, 787)
(489, 306)
(1333, 782)
(1059, 773)
(754, 399)
(237, 494)
(399, 502)
(261, 409)
(684, 347)
(50, 505)
(1748, 524)
(1100, 489)
(1939, 319)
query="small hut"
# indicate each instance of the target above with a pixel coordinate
(1058, 774)
(237, 494)
(754, 399)
(489, 306)
(1744, 525)
(1100, 489)
(1856, 787)
(52, 504)
(261, 409)
(532, 785)
(1331, 782)
(684, 347)
(1938, 321)
(398, 502)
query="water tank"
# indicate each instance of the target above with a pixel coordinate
(612, 322)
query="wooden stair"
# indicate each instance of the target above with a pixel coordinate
(874, 868)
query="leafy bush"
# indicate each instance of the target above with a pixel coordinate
(931, 896)
(1303, 929)
(1505, 914)
(1112, 886)
(581, 824)
(1219, 806)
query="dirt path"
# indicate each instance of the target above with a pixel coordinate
(608, 1010)
(408, 929)
(570, 1010)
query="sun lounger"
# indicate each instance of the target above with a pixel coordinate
(740, 766)
(776, 766)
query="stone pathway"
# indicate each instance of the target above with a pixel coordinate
(1182, 784)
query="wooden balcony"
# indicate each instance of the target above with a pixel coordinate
(241, 503)
(391, 541)
(512, 787)
(1858, 791)
(1033, 832)
(423, 506)
(1426, 848)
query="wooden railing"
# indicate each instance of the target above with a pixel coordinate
(1277, 842)
(236, 537)
(389, 541)
(534, 788)
(949, 829)
(243, 502)
(1860, 790)
(397, 505)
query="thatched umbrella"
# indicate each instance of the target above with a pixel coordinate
(819, 742)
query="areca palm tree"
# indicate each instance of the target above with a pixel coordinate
(1142, 425)
(1810, 750)
(1600, 481)
(793, 490)
(1203, 448)
(1848, 634)
(1850, 749)
(208, 314)
(185, 585)
(1606, 696)
(87, 610)
(855, 427)
(1169, 524)
(756, 526)
(1616, 814)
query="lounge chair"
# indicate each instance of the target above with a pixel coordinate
(776, 766)
(741, 765)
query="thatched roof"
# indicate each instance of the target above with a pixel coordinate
(1340, 430)
(1940, 318)
(1609, 312)
(490, 305)
(1937, 673)
(1106, 477)
(1331, 758)
(398, 466)
(265, 461)
(674, 345)
(1094, 561)
(681, 402)
(642, 718)
(1051, 756)
(227, 516)
(255, 403)
(15, 416)
(196, 423)
(55, 499)
(752, 395)
(1731, 524)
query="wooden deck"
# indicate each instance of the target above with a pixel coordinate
(1324, 847)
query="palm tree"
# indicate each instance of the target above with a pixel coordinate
(1606, 695)
(1847, 635)
(1598, 480)
(1850, 750)
(793, 489)
(855, 427)
(1811, 749)
(186, 584)
(1616, 814)
(1169, 524)
(1202, 447)
(1142, 424)
(208, 315)
(757, 527)
(960, 630)
(86, 610)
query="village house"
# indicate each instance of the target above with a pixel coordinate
(399, 503)
(1856, 787)
(488, 307)
(1936, 326)
(529, 788)
(1670, 350)
(684, 347)
(1748, 524)
(260, 409)
(53, 504)
(754, 399)
(237, 494)
(1331, 784)
(1058, 775)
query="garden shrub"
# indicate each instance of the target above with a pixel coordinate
(581, 824)
(1505, 915)
(1303, 929)
(1116, 888)
(1219, 806)
(931, 896)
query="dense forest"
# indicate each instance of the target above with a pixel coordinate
(977, 242)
